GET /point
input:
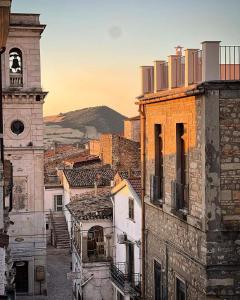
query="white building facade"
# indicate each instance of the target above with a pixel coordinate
(92, 235)
(23, 100)
(126, 267)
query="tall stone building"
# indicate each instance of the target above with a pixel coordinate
(191, 177)
(23, 100)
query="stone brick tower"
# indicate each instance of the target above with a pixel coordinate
(23, 141)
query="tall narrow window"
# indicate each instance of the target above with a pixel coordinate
(181, 167)
(16, 68)
(157, 281)
(58, 203)
(131, 208)
(157, 179)
(180, 289)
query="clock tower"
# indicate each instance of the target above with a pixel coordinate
(23, 100)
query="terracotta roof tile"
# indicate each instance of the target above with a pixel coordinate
(87, 177)
(136, 185)
(90, 206)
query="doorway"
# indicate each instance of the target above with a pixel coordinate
(58, 203)
(130, 262)
(21, 278)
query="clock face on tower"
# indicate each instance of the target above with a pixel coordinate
(17, 127)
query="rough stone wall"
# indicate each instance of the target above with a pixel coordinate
(125, 153)
(121, 153)
(168, 113)
(230, 160)
(179, 246)
(222, 189)
(132, 129)
(180, 249)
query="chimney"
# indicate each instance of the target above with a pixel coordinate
(176, 69)
(210, 61)
(191, 66)
(147, 79)
(160, 75)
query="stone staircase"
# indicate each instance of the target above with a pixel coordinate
(60, 231)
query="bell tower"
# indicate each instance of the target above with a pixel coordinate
(23, 100)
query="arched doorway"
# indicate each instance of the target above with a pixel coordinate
(95, 245)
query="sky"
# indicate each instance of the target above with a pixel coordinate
(91, 50)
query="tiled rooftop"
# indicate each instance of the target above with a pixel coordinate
(87, 177)
(136, 185)
(92, 206)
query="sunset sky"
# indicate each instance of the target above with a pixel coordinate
(92, 49)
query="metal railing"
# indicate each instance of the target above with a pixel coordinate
(53, 230)
(156, 189)
(180, 196)
(127, 282)
(229, 62)
(16, 80)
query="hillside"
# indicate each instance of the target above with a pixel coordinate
(83, 124)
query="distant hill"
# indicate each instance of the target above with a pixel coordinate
(82, 124)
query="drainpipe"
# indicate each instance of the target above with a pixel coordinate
(143, 120)
(113, 203)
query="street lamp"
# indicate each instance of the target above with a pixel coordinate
(5, 6)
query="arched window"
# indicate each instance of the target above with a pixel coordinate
(95, 242)
(16, 67)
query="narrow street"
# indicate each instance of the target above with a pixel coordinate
(59, 288)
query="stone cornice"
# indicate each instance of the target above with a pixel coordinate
(13, 96)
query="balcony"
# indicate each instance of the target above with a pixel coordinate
(126, 282)
(180, 197)
(16, 80)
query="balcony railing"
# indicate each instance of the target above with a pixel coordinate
(16, 80)
(180, 195)
(129, 283)
(156, 190)
(229, 62)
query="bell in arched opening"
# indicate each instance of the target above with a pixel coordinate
(15, 61)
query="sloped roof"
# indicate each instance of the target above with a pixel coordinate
(136, 185)
(87, 177)
(91, 206)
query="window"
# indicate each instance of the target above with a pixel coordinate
(58, 203)
(157, 281)
(157, 178)
(131, 208)
(16, 67)
(180, 289)
(181, 167)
